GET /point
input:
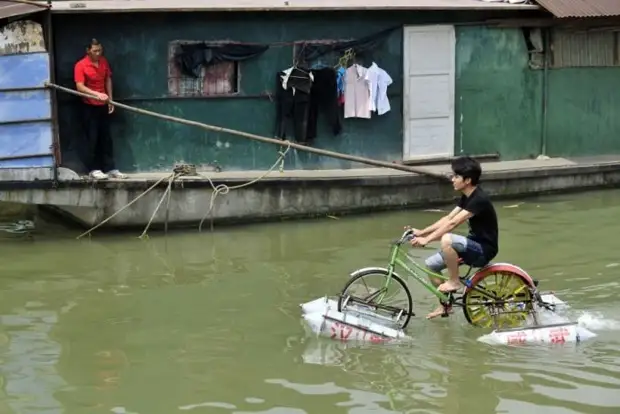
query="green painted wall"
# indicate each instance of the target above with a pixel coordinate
(138, 57)
(498, 97)
(499, 101)
(136, 45)
(584, 104)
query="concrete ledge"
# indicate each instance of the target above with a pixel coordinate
(295, 195)
(28, 175)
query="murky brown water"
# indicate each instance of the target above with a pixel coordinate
(210, 323)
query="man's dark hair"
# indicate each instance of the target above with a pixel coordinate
(467, 167)
(93, 42)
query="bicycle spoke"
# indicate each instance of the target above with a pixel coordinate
(509, 308)
(376, 295)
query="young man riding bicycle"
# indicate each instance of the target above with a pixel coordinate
(481, 244)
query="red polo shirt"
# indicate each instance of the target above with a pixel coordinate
(93, 77)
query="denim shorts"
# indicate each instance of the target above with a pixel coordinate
(467, 249)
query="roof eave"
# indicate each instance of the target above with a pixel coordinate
(17, 9)
(103, 6)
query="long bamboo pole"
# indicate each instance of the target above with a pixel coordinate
(260, 138)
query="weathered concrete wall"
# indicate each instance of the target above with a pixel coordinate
(277, 198)
(16, 211)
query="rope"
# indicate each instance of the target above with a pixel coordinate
(259, 138)
(179, 171)
(166, 193)
(124, 207)
(224, 189)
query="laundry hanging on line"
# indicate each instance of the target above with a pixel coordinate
(365, 91)
(302, 94)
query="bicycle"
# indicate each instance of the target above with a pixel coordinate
(506, 303)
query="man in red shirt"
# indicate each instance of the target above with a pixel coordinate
(92, 75)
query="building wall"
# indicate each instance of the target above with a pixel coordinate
(583, 112)
(583, 80)
(138, 54)
(139, 60)
(498, 97)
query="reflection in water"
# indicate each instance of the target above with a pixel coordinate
(410, 376)
(210, 322)
(28, 356)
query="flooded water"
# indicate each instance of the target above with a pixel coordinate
(210, 323)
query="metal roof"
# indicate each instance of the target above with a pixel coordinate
(19, 8)
(65, 6)
(581, 8)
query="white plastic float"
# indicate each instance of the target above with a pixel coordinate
(560, 333)
(322, 318)
(557, 330)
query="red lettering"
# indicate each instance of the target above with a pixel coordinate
(376, 339)
(558, 335)
(516, 338)
(345, 331)
(333, 329)
(340, 331)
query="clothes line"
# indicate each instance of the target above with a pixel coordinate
(191, 57)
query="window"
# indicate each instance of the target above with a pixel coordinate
(218, 79)
(584, 48)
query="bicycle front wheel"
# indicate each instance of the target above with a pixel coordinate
(375, 293)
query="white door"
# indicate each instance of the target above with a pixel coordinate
(429, 60)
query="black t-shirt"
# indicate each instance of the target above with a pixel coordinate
(483, 223)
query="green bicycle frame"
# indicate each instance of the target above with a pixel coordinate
(396, 259)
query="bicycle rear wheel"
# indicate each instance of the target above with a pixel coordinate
(512, 306)
(372, 293)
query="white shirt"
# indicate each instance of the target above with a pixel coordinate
(356, 93)
(378, 80)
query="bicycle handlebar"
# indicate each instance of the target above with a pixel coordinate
(406, 237)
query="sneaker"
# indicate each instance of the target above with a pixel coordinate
(98, 175)
(116, 174)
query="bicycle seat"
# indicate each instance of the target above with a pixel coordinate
(461, 262)
(471, 268)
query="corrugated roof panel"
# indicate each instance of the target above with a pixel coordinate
(583, 49)
(581, 8)
(279, 5)
(14, 9)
